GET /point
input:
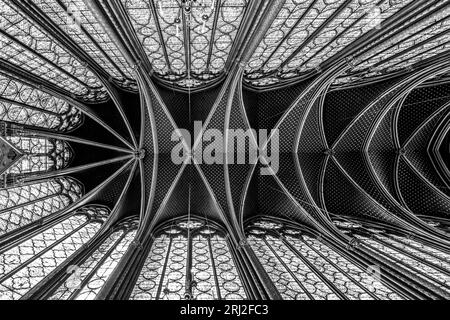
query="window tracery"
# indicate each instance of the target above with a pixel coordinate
(28, 47)
(26, 264)
(23, 105)
(75, 18)
(97, 268)
(210, 25)
(305, 34)
(304, 267)
(428, 264)
(20, 206)
(420, 38)
(189, 261)
(39, 154)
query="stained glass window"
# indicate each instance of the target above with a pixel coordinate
(28, 47)
(189, 261)
(22, 205)
(307, 33)
(25, 265)
(304, 267)
(424, 36)
(24, 105)
(93, 273)
(187, 46)
(75, 18)
(40, 154)
(430, 265)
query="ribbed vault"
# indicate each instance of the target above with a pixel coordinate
(93, 99)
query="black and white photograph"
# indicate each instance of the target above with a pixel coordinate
(224, 154)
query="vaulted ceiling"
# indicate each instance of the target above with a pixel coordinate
(93, 91)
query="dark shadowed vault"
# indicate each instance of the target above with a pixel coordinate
(92, 94)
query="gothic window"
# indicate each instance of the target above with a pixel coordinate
(421, 37)
(40, 154)
(353, 22)
(139, 69)
(24, 105)
(307, 33)
(27, 263)
(75, 18)
(189, 260)
(90, 276)
(430, 265)
(188, 47)
(303, 266)
(20, 206)
(31, 49)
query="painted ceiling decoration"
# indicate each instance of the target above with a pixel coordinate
(96, 98)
